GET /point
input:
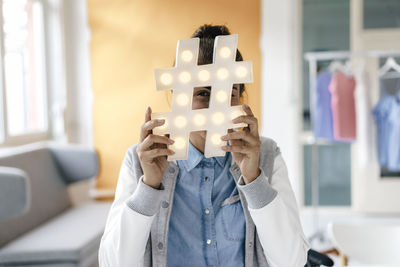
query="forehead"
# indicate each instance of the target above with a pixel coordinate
(235, 86)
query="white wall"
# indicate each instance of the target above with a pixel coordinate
(78, 116)
(281, 81)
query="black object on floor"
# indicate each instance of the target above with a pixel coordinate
(316, 259)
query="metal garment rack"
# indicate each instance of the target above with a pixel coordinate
(313, 58)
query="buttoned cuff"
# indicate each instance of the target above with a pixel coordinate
(146, 199)
(259, 192)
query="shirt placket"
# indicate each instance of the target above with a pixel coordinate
(209, 215)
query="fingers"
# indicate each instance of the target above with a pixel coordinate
(248, 119)
(149, 155)
(244, 135)
(153, 139)
(247, 109)
(241, 149)
(147, 117)
(149, 125)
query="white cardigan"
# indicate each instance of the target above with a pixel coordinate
(278, 225)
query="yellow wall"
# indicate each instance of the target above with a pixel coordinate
(130, 38)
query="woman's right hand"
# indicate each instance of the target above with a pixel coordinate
(152, 151)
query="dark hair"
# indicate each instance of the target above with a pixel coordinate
(207, 34)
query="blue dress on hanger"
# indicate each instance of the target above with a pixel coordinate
(387, 118)
(323, 120)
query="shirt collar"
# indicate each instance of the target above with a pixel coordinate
(195, 156)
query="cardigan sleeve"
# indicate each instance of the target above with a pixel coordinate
(274, 211)
(131, 215)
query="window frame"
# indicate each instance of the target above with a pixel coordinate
(53, 64)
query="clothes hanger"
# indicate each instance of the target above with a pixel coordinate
(336, 66)
(388, 66)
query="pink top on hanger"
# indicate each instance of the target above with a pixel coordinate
(342, 88)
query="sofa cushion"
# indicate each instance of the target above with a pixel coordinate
(49, 195)
(71, 237)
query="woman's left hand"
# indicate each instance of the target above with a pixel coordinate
(245, 145)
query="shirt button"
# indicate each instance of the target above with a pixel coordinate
(164, 204)
(207, 211)
(208, 241)
(206, 179)
(250, 244)
(171, 170)
(160, 245)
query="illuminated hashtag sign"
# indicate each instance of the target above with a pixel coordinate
(221, 75)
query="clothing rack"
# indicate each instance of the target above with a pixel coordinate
(313, 58)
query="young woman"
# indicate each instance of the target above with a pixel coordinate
(231, 211)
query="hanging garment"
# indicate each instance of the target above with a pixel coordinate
(364, 119)
(342, 88)
(394, 136)
(323, 124)
(386, 121)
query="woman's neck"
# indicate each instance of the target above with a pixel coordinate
(198, 141)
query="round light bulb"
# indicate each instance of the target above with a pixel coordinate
(204, 75)
(180, 121)
(218, 118)
(221, 96)
(222, 73)
(216, 139)
(187, 55)
(241, 72)
(179, 143)
(166, 78)
(182, 99)
(184, 77)
(224, 52)
(199, 119)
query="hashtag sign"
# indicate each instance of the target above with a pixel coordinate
(220, 75)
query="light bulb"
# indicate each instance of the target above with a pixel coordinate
(180, 121)
(166, 78)
(221, 96)
(218, 118)
(224, 52)
(216, 139)
(182, 99)
(204, 75)
(184, 77)
(241, 71)
(179, 143)
(199, 119)
(187, 55)
(222, 73)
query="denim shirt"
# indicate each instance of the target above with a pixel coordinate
(138, 224)
(207, 224)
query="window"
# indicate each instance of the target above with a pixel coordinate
(23, 87)
(378, 14)
(327, 166)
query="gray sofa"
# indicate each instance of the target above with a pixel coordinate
(51, 231)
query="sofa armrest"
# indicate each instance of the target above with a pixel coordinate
(75, 162)
(14, 192)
